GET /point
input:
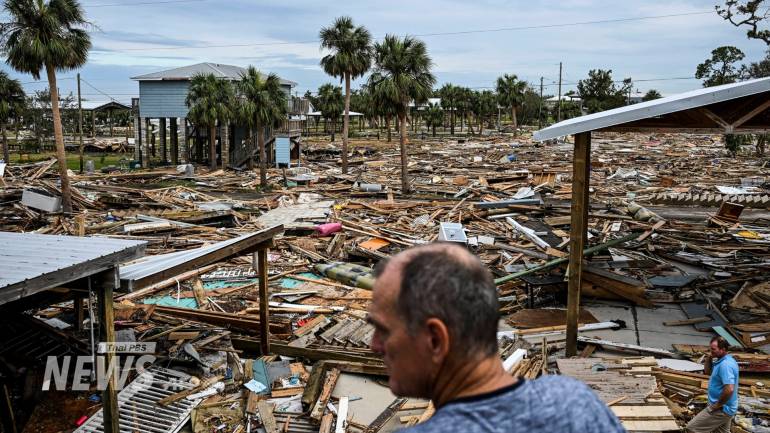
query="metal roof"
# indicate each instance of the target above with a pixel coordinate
(658, 107)
(136, 274)
(184, 73)
(35, 262)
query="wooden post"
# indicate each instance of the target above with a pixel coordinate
(581, 168)
(146, 160)
(224, 145)
(264, 317)
(105, 284)
(80, 314)
(7, 418)
(174, 142)
(162, 130)
(80, 126)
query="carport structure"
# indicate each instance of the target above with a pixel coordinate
(739, 108)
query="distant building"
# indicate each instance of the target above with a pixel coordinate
(551, 102)
(161, 105)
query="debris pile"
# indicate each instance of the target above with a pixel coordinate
(676, 230)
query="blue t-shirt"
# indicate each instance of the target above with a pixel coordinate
(724, 372)
(550, 404)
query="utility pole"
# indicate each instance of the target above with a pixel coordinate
(558, 110)
(80, 126)
(540, 109)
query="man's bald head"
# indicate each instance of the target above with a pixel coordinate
(445, 281)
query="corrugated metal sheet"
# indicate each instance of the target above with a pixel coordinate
(152, 265)
(282, 151)
(163, 98)
(26, 255)
(657, 107)
(138, 404)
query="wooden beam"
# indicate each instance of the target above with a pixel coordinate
(264, 305)
(105, 283)
(716, 119)
(751, 114)
(578, 229)
(245, 322)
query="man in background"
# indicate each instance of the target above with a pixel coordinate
(722, 392)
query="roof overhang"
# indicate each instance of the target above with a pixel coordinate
(738, 108)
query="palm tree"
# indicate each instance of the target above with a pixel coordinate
(350, 58)
(263, 104)
(381, 103)
(404, 65)
(12, 100)
(484, 105)
(331, 103)
(47, 35)
(434, 116)
(210, 100)
(448, 94)
(510, 91)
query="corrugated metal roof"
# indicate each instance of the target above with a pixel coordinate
(24, 256)
(219, 70)
(153, 264)
(658, 107)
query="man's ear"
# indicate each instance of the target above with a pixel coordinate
(438, 339)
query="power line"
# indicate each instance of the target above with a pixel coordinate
(462, 32)
(92, 86)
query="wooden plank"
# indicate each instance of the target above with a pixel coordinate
(310, 325)
(240, 321)
(386, 415)
(641, 411)
(326, 392)
(265, 410)
(342, 415)
(199, 293)
(692, 321)
(578, 232)
(182, 394)
(607, 343)
(313, 385)
(251, 403)
(651, 426)
(326, 423)
(183, 335)
(606, 280)
(264, 305)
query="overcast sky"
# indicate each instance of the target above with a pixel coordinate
(281, 37)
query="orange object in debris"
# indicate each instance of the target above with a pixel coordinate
(374, 244)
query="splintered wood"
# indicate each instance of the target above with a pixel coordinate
(628, 387)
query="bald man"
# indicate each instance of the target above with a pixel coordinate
(435, 314)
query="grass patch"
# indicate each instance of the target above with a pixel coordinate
(73, 160)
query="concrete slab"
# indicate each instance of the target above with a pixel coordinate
(368, 398)
(653, 333)
(605, 311)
